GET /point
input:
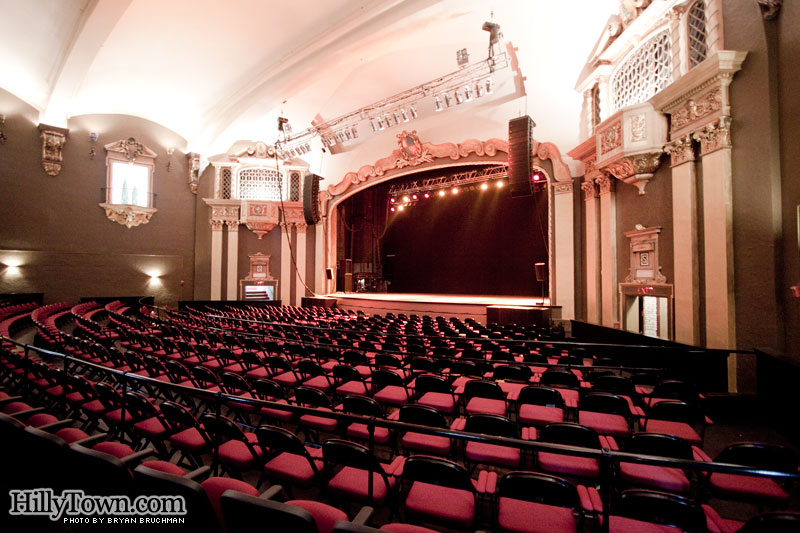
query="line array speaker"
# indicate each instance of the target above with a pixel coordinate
(520, 155)
(311, 198)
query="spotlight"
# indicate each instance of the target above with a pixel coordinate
(404, 115)
(454, 190)
(348, 135)
(479, 89)
(406, 199)
(467, 93)
(484, 186)
(500, 184)
(459, 98)
(372, 125)
(537, 176)
(392, 200)
(396, 116)
(380, 124)
(415, 196)
(438, 103)
(400, 207)
(307, 147)
(413, 110)
(448, 100)
(354, 132)
(392, 209)
(426, 195)
(388, 118)
(489, 85)
(441, 192)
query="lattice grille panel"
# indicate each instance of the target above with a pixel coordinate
(644, 73)
(696, 21)
(595, 106)
(226, 184)
(259, 184)
(294, 187)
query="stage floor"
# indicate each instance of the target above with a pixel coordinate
(447, 305)
(471, 299)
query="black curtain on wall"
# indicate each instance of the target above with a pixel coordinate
(474, 242)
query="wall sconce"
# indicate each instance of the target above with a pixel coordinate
(93, 138)
(3, 137)
(170, 151)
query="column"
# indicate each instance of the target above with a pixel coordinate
(300, 258)
(718, 235)
(233, 260)
(286, 264)
(564, 268)
(684, 241)
(320, 278)
(608, 251)
(216, 259)
(592, 251)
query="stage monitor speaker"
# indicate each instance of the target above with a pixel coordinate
(520, 155)
(311, 198)
(540, 271)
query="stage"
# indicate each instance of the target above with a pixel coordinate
(446, 305)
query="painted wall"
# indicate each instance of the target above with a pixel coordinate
(54, 227)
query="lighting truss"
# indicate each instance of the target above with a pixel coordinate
(458, 86)
(452, 180)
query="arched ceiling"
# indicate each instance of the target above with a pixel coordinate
(216, 72)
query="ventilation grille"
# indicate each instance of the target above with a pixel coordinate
(259, 184)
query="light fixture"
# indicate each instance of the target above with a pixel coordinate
(400, 207)
(354, 131)
(454, 190)
(396, 116)
(459, 98)
(467, 93)
(415, 196)
(413, 110)
(380, 124)
(462, 57)
(489, 85)
(448, 100)
(441, 192)
(372, 125)
(484, 186)
(479, 91)
(406, 198)
(392, 200)
(438, 103)
(348, 135)
(426, 195)
(500, 184)
(404, 114)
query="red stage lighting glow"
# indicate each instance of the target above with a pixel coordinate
(392, 209)
(537, 176)
(392, 200)
(426, 195)
(415, 196)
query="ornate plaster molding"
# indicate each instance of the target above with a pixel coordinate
(605, 184)
(611, 138)
(589, 189)
(693, 110)
(770, 8)
(131, 148)
(233, 225)
(547, 150)
(260, 217)
(680, 150)
(714, 135)
(300, 228)
(562, 188)
(293, 213)
(225, 213)
(128, 215)
(216, 225)
(635, 169)
(261, 228)
(194, 170)
(53, 141)
(412, 152)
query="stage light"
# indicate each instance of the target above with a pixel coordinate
(404, 114)
(372, 124)
(438, 103)
(537, 176)
(355, 132)
(415, 196)
(459, 98)
(484, 186)
(401, 207)
(396, 116)
(448, 100)
(489, 85)
(441, 192)
(467, 93)
(426, 195)
(413, 111)
(500, 184)
(479, 89)
(392, 200)
(392, 209)
(380, 124)
(406, 199)
(454, 190)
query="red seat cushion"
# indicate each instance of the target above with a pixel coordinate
(539, 415)
(117, 449)
(353, 483)
(406, 528)
(319, 422)
(318, 382)
(324, 515)
(237, 454)
(190, 440)
(359, 431)
(392, 394)
(15, 407)
(441, 401)
(71, 435)
(166, 467)
(494, 454)
(40, 419)
(677, 429)
(669, 479)
(352, 387)
(760, 489)
(427, 443)
(287, 379)
(487, 406)
(115, 416)
(442, 505)
(516, 515)
(277, 414)
(565, 464)
(605, 424)
(257, 373)
(292, 468)
(152, 428)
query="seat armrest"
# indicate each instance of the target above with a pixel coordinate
(596, 500)
(486, 483)
(716, 524)
(513, 395)
(529, 433)
(608, 442)
(708, 421)
(459, 390)
(586, 500)
(396, 466)
(271, 492)
(637, 411)
(27, 412)
(364, 515)
(394, 415)
(700, 455)
(570, 403)
(458, 424)
(197, 472)
(91, 439)
(137, 456)
(56, 425)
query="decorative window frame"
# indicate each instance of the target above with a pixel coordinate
(645, 53)
(129, 151)
(688, 35)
